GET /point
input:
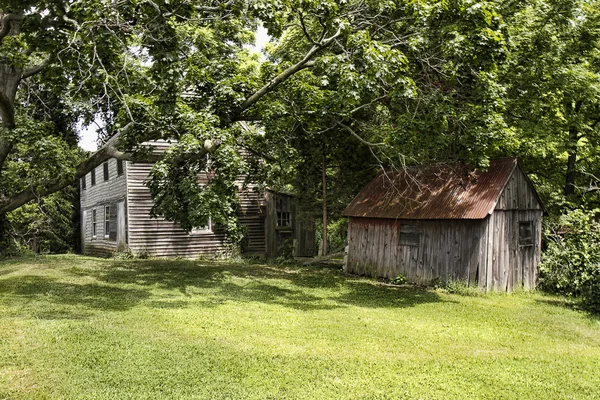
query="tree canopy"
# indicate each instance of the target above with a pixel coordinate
(346, 87)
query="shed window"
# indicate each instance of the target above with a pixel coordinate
(409, 235)
(93, 176)
(284, 218)
(106, 221)
(105, 165)
(83, 183)
(526, 233)
(119, 167)
(94, 223)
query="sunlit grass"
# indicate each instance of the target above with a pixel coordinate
(74, 327)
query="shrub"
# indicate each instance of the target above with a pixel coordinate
(571, 263)
(399, 280)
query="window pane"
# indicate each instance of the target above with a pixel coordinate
(409, 235)
(105, 171)
(119, 167)
(526, 233)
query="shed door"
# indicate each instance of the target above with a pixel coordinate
(526, 241)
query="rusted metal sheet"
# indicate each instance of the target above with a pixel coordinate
(433, 192)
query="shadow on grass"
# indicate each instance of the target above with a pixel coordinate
(571, 304)
(297, 287)
(45, 297)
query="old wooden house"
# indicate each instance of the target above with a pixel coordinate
(444, 222)
(115, 215)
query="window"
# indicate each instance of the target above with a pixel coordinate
(105, 165)
(83, 183)
(119, 167)
(106, 221)
(409, 235)
(202, 229)
(93, 177)
(94, 225)
(284, 218)
(526, 233)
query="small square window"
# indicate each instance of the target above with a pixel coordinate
(105, 171)
(526, 233)
(409, 235)
(284, 218)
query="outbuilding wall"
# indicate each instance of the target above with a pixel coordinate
(446, 250)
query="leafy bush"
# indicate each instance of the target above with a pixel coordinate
(399, 280)
(571, 263)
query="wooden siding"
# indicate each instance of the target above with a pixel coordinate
(102, 194)
(252, 216)
(159, 237)
(510, 266)
(518, 194)
(442, 253)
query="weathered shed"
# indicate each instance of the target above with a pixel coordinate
(448, 223)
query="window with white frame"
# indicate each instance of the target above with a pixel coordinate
(106, 222)
(202, 229)
(94, 223)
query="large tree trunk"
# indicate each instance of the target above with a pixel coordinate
(571, 161)
(324, 240)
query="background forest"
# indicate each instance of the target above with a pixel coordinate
(343, 89)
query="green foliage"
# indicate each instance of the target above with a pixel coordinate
(571, 263)
(400, 279)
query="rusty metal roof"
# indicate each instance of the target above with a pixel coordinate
(433, 192)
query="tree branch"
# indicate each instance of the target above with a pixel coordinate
(7, 24)
(306, 62)
(108, 151)
(357, 136)
(7, 112)
(35, 69)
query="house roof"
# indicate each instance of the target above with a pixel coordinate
(446, 191)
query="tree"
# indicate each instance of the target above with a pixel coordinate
(395, 79)
(553, 97)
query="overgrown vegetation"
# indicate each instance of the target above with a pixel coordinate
(571, 262)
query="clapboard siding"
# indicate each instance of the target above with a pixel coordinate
(98, 196)
(157, 236)
(164, 238)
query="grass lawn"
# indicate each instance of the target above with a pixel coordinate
(83, 328)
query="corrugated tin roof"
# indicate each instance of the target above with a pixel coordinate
(433, 192)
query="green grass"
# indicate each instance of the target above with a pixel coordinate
(82, 328)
